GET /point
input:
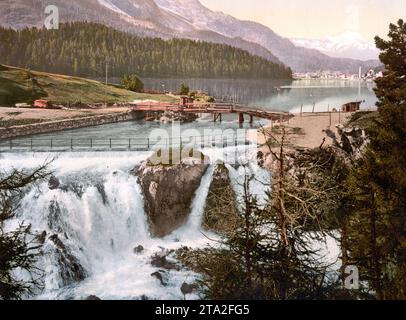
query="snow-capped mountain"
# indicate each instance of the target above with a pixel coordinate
(297, 56)
(347, 45)
(179, 19)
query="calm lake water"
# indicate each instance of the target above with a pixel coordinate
(277, 95)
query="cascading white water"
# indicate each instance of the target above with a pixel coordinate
(192, 228)
(98, 214)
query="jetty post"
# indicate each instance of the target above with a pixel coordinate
(240, 117)
(330, 117)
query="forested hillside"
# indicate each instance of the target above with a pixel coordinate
(81, 49)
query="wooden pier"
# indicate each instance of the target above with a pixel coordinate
(216, 109)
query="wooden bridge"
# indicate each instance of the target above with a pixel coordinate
(217, 109)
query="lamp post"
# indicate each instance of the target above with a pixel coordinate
(107, 69)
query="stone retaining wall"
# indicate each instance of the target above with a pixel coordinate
(53, 126)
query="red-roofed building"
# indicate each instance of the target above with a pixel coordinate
(41, 103)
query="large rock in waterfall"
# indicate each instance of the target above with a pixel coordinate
(221, 214)
(169, 180)
(70, 269)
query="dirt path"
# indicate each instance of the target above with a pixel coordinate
(51, 114)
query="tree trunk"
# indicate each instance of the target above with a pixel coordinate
(376, 267)
(344, 248)
(281, 195)
(282, 220)
(247, 249)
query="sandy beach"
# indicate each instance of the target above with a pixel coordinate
(308, 128)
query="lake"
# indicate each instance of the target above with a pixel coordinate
(278, 95)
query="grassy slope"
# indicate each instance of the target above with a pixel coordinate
(19, 85)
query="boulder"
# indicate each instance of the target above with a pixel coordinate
(92, 298)
(53, 183)
(188, 288)
(172, 116)
(349, 139)
(159, 276)
(41, 237)
(138, 249)
(221, 214)
(168, 192)
(70, 269)
(159, 260)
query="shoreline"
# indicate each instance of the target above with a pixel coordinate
(307, 129)
(77, 119)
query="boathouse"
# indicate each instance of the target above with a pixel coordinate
(352, 106)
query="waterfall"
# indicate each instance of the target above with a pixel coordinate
(96, 218)
(259, 182)
(96, 214)
(192, 229)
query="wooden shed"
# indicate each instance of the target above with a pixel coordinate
(352, 106)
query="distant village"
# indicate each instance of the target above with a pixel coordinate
(369, 76)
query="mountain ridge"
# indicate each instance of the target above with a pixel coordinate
(346, 45)
(180, 19)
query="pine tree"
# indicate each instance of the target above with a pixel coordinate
(19, 248)
(377, 182)
(132, 83)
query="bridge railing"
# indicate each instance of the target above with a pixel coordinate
(203, 105)
(116, 144)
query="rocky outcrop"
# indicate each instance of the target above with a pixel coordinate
(139, 249)
(92, 298)
(188, 288)
(350, 139)
(71, 271)
(220, 213)
(53, 183)
(171, 116)
(158, 275)
(168, 192)
(164, 260)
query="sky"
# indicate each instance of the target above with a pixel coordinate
(316, 18)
